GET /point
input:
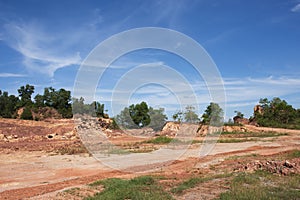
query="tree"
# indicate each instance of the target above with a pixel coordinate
(26, 114)
(39, 101)
(25, 93)
(49, 97)
(239, 114)
(78, 106)
(8, 105)
(140, 115)
(178, 116)
(190, 114)
(124, 119)
(63, 104)
(158, 118)
(60, 100)
(94, 109)
(276, 113)
(213, 115)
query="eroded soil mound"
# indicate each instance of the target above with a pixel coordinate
(50, 135)
(281, 167)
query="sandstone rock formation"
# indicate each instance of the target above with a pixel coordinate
(258, 109)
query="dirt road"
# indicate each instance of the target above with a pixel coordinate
(40, 174)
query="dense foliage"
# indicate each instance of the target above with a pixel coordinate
(141, 115)
(94, 109)
(60, 100)
(271, 113)
(213, 115)
(8, 105)
(277, 113)
(189, 115)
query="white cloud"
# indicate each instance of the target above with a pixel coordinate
(296, 8)
(43, 52)
(11, 75)
(249, 89)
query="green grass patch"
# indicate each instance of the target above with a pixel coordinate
(194, 181)
(161, 140)
(294, 154)
(72, 191)
(143, 187)
(254, 134)
(234, 140)
(190, 183)
(196, 141)
(263, 185)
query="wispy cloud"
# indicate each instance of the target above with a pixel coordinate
(249, 89)
(11, 75)
(42, 52)
(221, 37)
(296, 8)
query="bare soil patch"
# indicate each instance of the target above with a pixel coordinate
(42, 159)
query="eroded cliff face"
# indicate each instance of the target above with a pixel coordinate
(173, 129)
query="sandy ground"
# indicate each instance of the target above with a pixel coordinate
(40, 174)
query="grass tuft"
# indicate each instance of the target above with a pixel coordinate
(194, 181)
(160, 140)
(263, 185)
(143, 187)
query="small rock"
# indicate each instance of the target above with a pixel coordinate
(288, 164)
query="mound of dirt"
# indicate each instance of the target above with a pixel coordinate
(42, 113)
(286, 167)
(49, 135)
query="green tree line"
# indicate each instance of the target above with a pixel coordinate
(277, 113)
(272, 113)
(59, 100)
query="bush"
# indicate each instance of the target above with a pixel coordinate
(26, 114)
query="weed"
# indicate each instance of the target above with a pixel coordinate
(71, 150)
(194, 181)
(254, 134)
(294, 154)
(234, 140)
(72, 191)
(160, 140)
(143, 187)
(263, 185)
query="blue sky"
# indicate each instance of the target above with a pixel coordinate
(255, 45)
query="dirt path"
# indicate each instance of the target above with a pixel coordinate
(30, 168)
(29, 174)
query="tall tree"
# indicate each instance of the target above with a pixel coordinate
(276, 113)
(158, 118)
(8, 104)
(39, 100)
(25, 93)
(78, 105)
(140, 115)
(178, 116)
(124, 119)
(63, 103)
(213, 115)
(190, 114)
(239, 114)
(60, 100)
